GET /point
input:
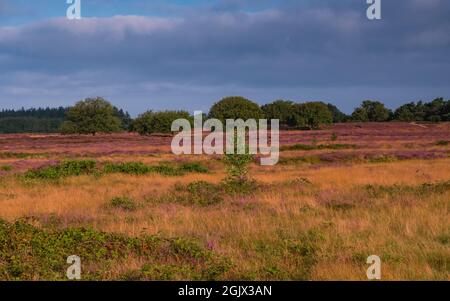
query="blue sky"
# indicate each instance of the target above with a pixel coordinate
(189, 54)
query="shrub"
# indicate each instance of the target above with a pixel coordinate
(198, 193)
(307, 147)
(31, 253)
(235, 107)
(139, 168)
(64, 169)
(204, 193)
(132, 168)
(124, 203)
(6, 167)
(334, 136)
(443, 142)
(193, 167)
(167, 170)
(158, 122)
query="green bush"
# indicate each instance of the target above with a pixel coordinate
(442, 142)
(158, 122)
(139, 168)
(6, 167)
(31, 253)
(193, 167)
(132, 168)
(64, 169)
(199, 193)
(124, 203)
(235, 107)
(307, 147)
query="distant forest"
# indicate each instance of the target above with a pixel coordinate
(42, 120)
(290, 114)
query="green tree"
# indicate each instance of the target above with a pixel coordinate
(158, 122)
(406, 112)
(338, 115)
(235, 107)
(373, 111)
(280, 109)
(359, 114)
(434, 110)
(91, 116)
(311, 115)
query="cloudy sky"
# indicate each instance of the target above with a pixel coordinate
(188, 54)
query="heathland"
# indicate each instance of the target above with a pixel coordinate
(133, 211)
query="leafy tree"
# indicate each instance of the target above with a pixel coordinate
(235, 107)
(124, 117)
(311, 115)
(373, 111)
(158, 122)
(91, 116)
(280, 109)
(338, 115)
(406, 112)
(434, 110)
(445, 113)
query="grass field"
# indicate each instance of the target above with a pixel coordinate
(133, 211)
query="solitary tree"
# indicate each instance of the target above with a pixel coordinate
(91, 116)
(234, 108)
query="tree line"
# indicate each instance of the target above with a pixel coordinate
(95, 115)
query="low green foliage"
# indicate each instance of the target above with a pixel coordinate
(193, 167)
(198, 193)
(442, 142)
(64, 169)
(132, 168)
(167, 169)
(90, 167)
(124, 203)
(10, 155)
(377, 191)
(5, 167)
(30, 253)
(334, 136)
(308, 147)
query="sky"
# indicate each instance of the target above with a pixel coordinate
(189, 54)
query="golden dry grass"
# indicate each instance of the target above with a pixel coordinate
(266, 234)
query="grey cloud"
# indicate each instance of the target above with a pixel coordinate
(314, 46)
